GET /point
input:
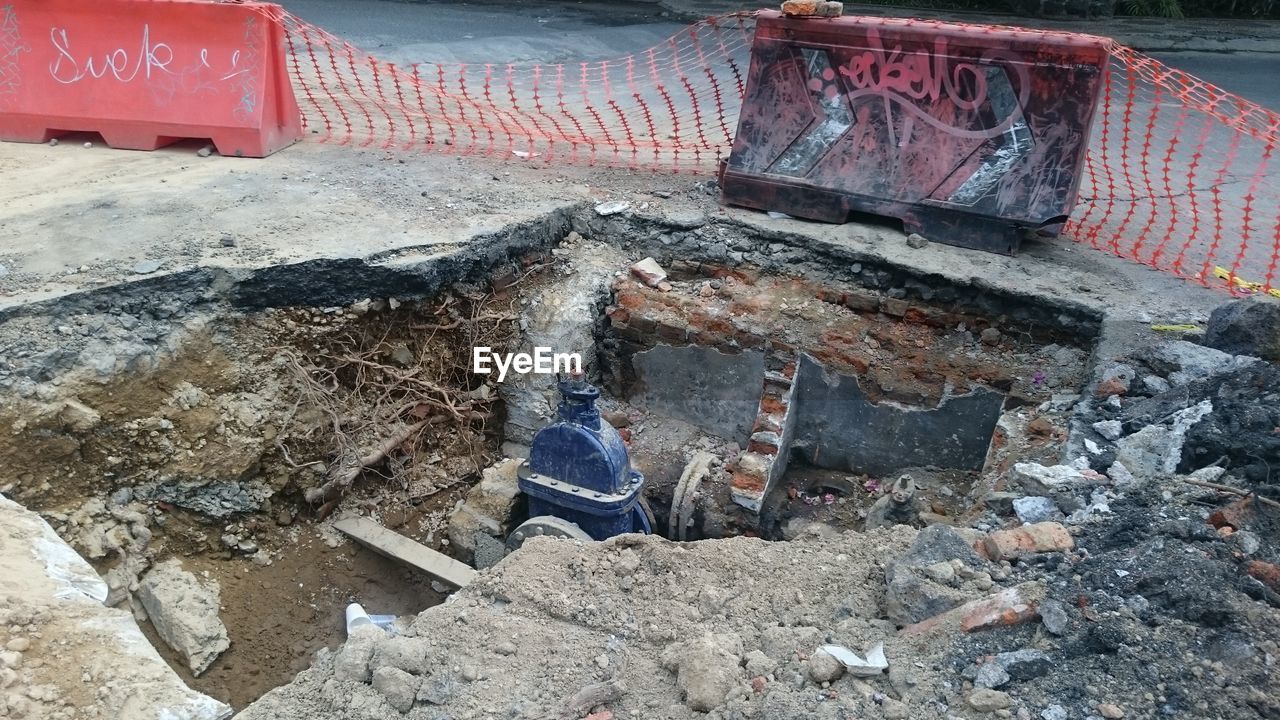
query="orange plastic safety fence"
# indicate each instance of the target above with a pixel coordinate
(1179, 174)
(671, 106)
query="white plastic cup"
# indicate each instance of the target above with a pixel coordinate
(356, 617)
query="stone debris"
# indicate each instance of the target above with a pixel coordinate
(1246, 327)
(1035, 509)
(184, 611)
(649, 272)
(613, 207)
(1042, 537)
(707, 669)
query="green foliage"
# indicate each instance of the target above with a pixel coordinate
(1158, 8)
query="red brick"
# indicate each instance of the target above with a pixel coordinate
(1005, 608)
(772, 404)
(1028, 540)
(748, 482)
(631, 299)
(1265, 572)
(618, 314)
(1112, 386)
(1236, 515)
(762, 448)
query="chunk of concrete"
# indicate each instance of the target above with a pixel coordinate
(1185, 362)
(914, 591)
(184, 611)
(1155, 450)
(1246, 327)
(649, 272)
(707, 669)
(489, 508)
(397, 686)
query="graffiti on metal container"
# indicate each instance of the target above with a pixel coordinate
(11, 46)
(932, 76)
(150, 60)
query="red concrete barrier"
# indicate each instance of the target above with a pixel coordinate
(147, 73)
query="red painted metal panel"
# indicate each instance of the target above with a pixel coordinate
(146, 73)
(967, 134)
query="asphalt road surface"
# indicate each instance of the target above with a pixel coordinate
(565, 30)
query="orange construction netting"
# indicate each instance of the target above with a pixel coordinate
(1178, 176)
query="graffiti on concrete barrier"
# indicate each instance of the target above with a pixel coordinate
(167, 70)
(918, 79)
(11, 46)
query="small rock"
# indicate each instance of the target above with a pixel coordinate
(205, 151)
(987, 701)
(1110, 711)
(1247, 541)
(397, 686)
(917, 241)
(18, 645)
(1023, 665)
(146, 267)
(991, 675)
(823, 667)
(895, 709)
(53, 142)
(184, 612)
(1155, 384)
(505, 648)
(649, 272)
(613, 207)
(707, 668)
(1054, 616)
(1109, 429)
(1036, 509)
(1120, 474)
(1246, 327)
(1054, 712)
(757, 664)
(228, 240)
(990, 336)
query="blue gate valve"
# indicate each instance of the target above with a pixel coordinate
(578, 472)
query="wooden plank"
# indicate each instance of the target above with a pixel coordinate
(398, 547)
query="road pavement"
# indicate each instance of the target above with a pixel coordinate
(561, 31)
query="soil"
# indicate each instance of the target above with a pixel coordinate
(279, 615)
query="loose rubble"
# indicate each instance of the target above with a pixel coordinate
(1110, 585)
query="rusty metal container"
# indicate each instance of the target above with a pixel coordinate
(969, 135)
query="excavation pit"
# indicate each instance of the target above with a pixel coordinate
(228, 421)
